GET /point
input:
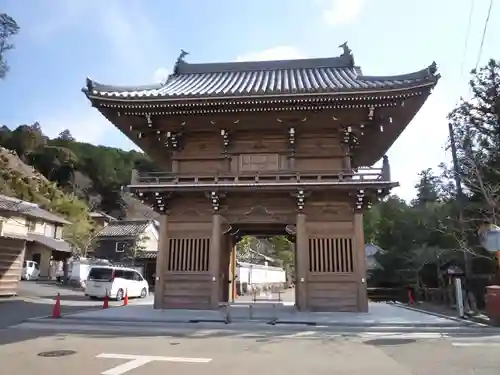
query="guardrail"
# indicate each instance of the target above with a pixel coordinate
(159, 178)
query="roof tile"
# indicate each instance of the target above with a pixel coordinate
(261, 78)
(29, 209)
(129, 228)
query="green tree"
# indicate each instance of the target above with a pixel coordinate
(476, 123)
(66, 135)
(55, 163)
(8, 29)
(79, 233)
(137, 247)
(26, 139)
(428, 188)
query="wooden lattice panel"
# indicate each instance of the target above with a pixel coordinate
(331, 255)
(188, 255)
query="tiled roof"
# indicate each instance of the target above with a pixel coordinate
(122, 228)
(267, 78)
(52, 243)
(28, 209)
(95, 214)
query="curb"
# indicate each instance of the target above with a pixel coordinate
(463, 321)
(266, 321)
(246, 326)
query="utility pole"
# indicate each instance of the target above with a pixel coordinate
(460, 198)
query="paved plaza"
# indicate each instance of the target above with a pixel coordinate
(25, 352)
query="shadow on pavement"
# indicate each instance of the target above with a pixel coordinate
(15, 311)
(68, 297)
(10, 336)
(25, 286)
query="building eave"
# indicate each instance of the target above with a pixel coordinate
(316, 185)
(372, 93)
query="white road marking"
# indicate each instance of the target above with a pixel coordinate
(401, 335)
(476, 344)
(135, 361)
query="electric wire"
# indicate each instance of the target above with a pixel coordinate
(485, 29)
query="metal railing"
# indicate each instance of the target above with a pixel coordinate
(285, 177)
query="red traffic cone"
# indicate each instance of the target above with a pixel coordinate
(125, 300)
(56, 312)
(105, 304)
(411, 300)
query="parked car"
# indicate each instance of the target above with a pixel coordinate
(115, 282)
(31, 270)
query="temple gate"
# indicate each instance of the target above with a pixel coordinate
(270, 146)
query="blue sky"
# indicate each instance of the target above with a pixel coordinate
(137, 41)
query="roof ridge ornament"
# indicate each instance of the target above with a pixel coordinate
(89, 84)
(179, 61)
(347, 53)
(432, 68)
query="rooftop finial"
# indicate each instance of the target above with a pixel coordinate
(432, 68)
(182, 55)
(346, 51)
(180, 60)
(89, 84)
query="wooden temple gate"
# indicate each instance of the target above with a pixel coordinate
(269, 144)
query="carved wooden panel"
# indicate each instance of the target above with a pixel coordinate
(257, 215)
(202, 167)
(319, 164)
(329, 211)
(259, 162)
(268, 208)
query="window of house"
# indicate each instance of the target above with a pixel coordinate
(120, 247)
(58, 232)
(49, 230)
(31, 225)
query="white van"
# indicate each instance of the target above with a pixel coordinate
(31, 270)
(115, 282)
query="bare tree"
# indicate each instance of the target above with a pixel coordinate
(8, 28)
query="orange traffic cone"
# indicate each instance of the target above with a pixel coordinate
(56, 312)
(125, 300)
(105, 304)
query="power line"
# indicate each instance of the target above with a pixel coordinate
(467, 35)
(484, 34)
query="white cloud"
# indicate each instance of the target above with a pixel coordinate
(342, 12)
(161, 74)
(131, 39)
(126, 28)
(86, 125)
(274, 53)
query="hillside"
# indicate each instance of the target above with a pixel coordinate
(22, 181)
(94, 174)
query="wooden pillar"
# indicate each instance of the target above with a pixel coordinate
(301, 262)
(232, 271)
(359, 249)
(161, 262)
(214, 260)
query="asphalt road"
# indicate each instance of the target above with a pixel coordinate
(150, 354)
(37, 299)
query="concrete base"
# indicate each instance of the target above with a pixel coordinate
(380, 314)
